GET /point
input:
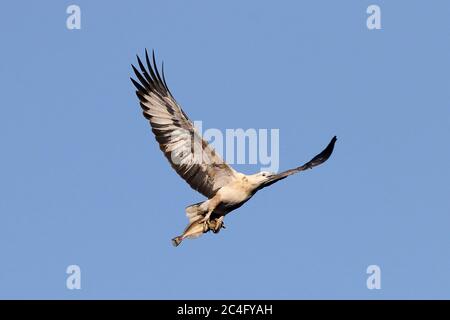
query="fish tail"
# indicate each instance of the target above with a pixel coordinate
(177, 240)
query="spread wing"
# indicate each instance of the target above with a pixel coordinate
(317, 160)
(191, 156)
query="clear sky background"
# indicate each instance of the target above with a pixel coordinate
(82, 180)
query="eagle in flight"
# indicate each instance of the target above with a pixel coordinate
(195, 160)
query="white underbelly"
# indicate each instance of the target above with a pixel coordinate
(230, 195)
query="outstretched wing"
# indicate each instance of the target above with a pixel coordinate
(317, 160)
(191, 156)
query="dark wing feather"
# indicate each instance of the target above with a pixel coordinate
(317, 160)
(191, 156)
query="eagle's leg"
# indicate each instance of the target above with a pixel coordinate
(206, 222)
(212, 204)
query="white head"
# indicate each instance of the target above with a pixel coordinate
(260, 177)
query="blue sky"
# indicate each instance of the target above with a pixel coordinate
(83, 181)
